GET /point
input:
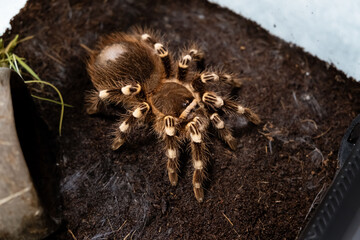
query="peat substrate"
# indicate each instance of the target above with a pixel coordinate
(263, 190)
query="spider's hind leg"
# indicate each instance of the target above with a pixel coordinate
(125, 126)
(93, 103)
(161, 51)
(97, 100)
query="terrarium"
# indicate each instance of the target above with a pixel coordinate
(288, 112)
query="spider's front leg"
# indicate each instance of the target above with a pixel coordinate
(192, 55)
(200, 80)
(171, 147)
(125, 126)
(216, 102)
(196, 132)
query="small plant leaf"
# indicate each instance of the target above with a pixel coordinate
(12, 44)
(10, 62)
(27, 68)
(16, 65)
(1, 44)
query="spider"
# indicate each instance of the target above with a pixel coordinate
(136, 70)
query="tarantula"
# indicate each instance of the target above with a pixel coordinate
(136, 70)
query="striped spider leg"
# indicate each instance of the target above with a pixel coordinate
(196, 133)
(127, 124)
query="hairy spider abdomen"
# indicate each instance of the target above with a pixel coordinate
(119, 59)
(110, 53)
(172, 99)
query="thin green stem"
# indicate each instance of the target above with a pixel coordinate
(60, 96)
(50, 100)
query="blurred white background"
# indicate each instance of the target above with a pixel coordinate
(328, 29)
(8, 9)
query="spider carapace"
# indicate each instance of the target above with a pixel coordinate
(136, 70)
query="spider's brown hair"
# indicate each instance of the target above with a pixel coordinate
(137, 71)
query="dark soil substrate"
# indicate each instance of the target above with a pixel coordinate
(264, 190)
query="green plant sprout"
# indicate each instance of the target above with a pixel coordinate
(10, 60)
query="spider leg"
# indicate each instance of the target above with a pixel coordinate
(95, 99)
(198, 56)
(216, 102)
(192, 55)
(93, 103)
(222, 77)
(126, 125)
(223, 132)
(196, 133)
(200, 80)
(161, 51)
(171, 147)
